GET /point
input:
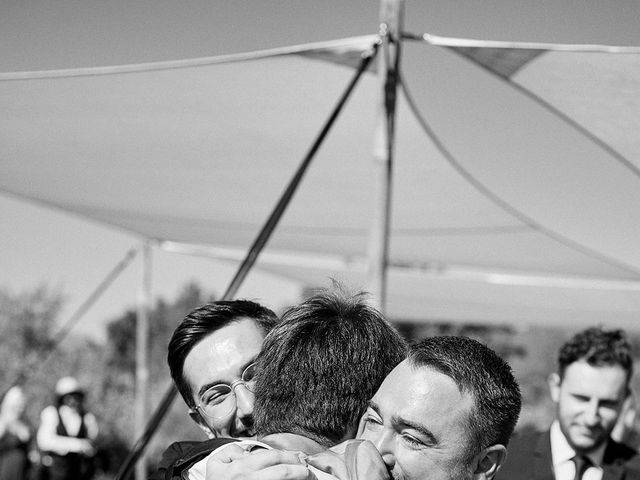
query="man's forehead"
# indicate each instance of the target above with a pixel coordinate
(222, 355)
(596, 380)
(238, 335)
(582, 368)
(418, 394)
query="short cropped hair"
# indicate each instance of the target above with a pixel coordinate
(320, 366)
(597, 347)
(202, 322)
(480, 372)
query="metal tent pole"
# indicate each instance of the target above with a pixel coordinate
(251, 256)
(142, 354)
(391, 15)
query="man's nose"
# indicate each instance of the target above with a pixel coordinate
(385, 445)
(592, 415)
(244, 400)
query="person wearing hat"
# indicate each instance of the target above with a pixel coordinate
(66, 434)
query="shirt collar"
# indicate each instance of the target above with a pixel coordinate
(293, 441)
(562, 452)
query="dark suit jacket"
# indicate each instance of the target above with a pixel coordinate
(179, 456)
(529, 458)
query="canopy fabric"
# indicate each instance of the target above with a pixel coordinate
(198, 151)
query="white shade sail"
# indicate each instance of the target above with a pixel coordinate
(514, 201)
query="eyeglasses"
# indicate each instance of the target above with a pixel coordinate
(220, 400)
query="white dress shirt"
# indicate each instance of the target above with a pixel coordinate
(562, 454)
(48, 438)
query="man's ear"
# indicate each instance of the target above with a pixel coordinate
(488, 462)
(553, 380)
(195, 416)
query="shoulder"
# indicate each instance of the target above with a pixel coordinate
(185, 450)
(525, 448)
(621, 454)
(527, 441)
(49, 410)
(352, 459)
(181, 455)
(49, 415)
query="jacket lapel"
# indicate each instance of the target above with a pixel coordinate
(542, 466)
(612, 472)
(613, 463)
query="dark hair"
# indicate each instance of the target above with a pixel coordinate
(487, 378)
(61, 399)
(597, 347)
(320, 366)
(202, 322)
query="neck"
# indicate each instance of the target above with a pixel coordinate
(293, 441)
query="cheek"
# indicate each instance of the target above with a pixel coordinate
(365, 432)
(221, 426)
(609, 417)
(569, 407)
(412, 465)
(361, 426)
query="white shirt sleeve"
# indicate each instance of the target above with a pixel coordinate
(49, 441)
(92, 426)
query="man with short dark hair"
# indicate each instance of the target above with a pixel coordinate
(217, 344)
(213, 351)
(445, 413)
(318, 368)
(589, 390)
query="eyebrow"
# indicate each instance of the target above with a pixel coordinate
(374, 406)
(213, 383)
(397, 420)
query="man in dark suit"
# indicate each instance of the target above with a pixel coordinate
(589, 391)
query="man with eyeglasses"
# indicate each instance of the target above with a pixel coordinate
(211, 357)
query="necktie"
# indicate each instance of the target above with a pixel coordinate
(582, 463)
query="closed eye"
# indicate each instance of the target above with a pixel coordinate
(215, 395)
(412, 441)
(371, 420)
(581, 398)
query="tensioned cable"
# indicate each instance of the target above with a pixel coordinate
(452, 43)
(559, 47)
(361, 42)
(251, 257)
(108, 280)
(488, 193)
(330, 232)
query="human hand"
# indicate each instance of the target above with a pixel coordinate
(86, 448)
(20, 430)
(235, 463)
